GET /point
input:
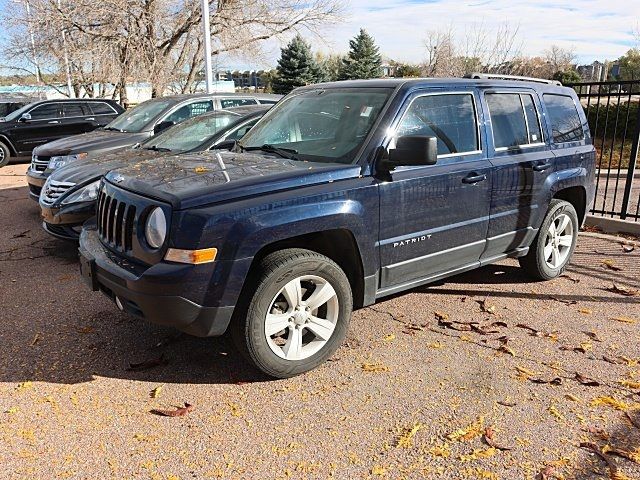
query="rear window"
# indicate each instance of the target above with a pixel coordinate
(237, 102)
(566, 125)
(514, 120)
(101, 108)
(72, 110)
(450, 118)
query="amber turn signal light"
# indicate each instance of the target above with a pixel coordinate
(196, 257)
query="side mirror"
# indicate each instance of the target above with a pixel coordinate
(162, 126)
(224, 145)
(25, 117)
(411, 150)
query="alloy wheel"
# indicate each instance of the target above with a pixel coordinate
(558, 241)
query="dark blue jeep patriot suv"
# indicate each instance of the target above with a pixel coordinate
(343, 193)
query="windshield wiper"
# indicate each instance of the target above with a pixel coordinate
(156, 148)
(112, 129)
(289, 153)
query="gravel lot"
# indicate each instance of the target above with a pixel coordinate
(413, 393)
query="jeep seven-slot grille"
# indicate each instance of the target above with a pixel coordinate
(115, 219)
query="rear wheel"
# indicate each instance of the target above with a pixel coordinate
(554, 244)
(298, 313)
(4, 154)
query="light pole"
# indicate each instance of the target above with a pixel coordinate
(206, 30)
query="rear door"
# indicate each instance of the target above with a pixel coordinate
(523, 160)
(42, 127)
(75, 119)
(433, 219)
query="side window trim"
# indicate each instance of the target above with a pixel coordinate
(471, 93)
(60, 112)
(520, 93)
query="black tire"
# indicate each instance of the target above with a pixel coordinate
(5, 154)
(272, 274)
(534, 262)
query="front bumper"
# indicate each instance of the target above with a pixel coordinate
(36, 182)
(65, 221)
(143, 292)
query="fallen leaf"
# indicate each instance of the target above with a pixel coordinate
(610, 402)
(499, 323)
(440, 450)
(524, 371)
(484, 307)
(593, 336)
(479, 454)
(610, 265)
(405, 440)
(12, 410)
(489, 439)
(22, 386)
(378, 470)
(505, 403)
(573, 398)
(553, 410)
(630, 384)
(553, 381)
(546, 473)
(626, 291)
(155, 393)
(586, 311)
(374, 367)
(147, 364)
(201, 170)
(470, 431)
(566, 302)
(178, 412)
(505, 349)
(389, 338)
(589, 382)
(635, 423)
(624, 319)
(613, 469)
(441, 315)
(574, 280)
(36, 337)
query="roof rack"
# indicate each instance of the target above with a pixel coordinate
(498, 76)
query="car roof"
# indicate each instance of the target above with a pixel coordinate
(409, 83)
(188, 96)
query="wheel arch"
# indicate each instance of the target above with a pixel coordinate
(4, 139)
(576, 196)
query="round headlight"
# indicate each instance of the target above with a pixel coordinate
(156, 228)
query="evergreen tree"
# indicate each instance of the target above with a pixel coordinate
(296, 67)
(364, 60)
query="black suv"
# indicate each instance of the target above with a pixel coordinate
(134, 126)
(342, 194)
(40, 122)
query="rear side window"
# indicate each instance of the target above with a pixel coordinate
(101, 108)
(565, 121)
(72, 110)
(236, 102)
(514, 120)
(45, 112)
(450, 118)
(190, 110)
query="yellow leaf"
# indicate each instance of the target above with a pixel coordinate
(155, 393)
(24, 386)
(555, 412)
(467, 433)
(440, 450)
(524, 371)
(374, 367)
(441, 315)
(201, 170)
(610, 402)
(378, 470)
(586, 311)
(12, 410)
(235, 410)
(573, 398)
(389, 338)
(406, 438)
(630, 384)
(479, 454)
(624, 319)
(435, 345)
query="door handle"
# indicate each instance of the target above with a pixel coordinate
(541, 166)
(90, 119)
(53, 122)
(474, 178)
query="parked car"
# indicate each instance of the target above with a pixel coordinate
(342, 194)
(68, 197)
(134, 126)
(40, 122)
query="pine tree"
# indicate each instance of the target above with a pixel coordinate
(296, 67)
(364, 60)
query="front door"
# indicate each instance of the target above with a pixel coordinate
(42, 127)
(520, 152)
(433, 219)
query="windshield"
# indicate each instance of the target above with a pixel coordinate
(191, 133)
(17, 113)
(319, 125)
(137, 118)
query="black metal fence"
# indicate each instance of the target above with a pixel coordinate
(613, 111)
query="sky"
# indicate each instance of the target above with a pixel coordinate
(594, 29)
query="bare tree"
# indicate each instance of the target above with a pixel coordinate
(559, 59)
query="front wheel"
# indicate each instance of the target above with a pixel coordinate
(4, 154)
(554, 244)
(298, 314)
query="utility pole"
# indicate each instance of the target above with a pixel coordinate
(206, 30)
(66, 57)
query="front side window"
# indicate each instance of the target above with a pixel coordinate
(514, 120)
(241, 130)
(136, 119)
(566, 125)
(72, 110)
(45, 112)
(191, 133)
(236, 102)
(319, 125)
(449, 118)
(101, 108)
(190, 110)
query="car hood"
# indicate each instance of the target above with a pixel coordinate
(196, 179)
(98, 140)
(92, 168)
